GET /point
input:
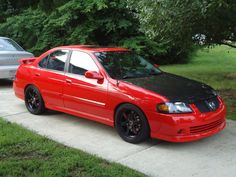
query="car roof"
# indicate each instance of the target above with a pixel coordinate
(4, 37)
(93, 48)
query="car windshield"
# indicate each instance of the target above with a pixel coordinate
(9, 45)
(125, 65)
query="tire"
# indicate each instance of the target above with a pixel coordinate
(34, 101)
(131, 124)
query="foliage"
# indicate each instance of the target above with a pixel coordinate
(165, 31)
(177, 24)
(42, 24)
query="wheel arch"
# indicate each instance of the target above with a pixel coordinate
(120, 104)
(40, 104)
(26, 86)
(31, 84)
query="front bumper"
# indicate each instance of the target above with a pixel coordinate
(7, 72)
(187, 127)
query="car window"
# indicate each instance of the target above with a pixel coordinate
(9, 45)
(125, 65)
(81, 62)
(55, 61)
(43, 63)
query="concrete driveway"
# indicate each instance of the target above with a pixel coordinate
(214, 156)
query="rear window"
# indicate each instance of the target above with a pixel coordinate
(9, 45)
(55, 61)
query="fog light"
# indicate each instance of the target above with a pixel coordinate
(181, 131)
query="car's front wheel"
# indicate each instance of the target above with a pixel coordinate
(34, 101)
(131, 124)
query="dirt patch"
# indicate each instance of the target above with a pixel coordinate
(231, 76)
(22, 151)
(77, 169)
(25, 156)
(228, 94)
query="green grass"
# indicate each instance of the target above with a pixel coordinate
(23, 153)
(215, 67)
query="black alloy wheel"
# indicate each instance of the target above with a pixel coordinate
(33, 100)
(131, 124)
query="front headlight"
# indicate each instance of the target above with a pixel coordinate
(172, 108)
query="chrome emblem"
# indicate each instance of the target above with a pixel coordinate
(212, 105)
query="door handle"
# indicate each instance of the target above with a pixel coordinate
(37, 74)
(68, 81)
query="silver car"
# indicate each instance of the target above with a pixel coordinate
(10, 53)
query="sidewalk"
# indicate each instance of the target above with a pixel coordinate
(214, 156)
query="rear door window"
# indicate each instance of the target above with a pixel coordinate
(55, 61)
(43, 63)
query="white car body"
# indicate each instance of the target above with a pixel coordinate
(10, 53)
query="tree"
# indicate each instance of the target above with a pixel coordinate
(164, 31)
(39, 26)
(178, 24)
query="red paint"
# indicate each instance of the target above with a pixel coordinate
(96, 96)
(26, 60)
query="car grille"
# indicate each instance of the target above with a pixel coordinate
(206, 127)
(208, 105)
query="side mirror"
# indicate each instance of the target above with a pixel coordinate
(93, 75)
(156, 65)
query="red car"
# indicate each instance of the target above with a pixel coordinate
(119, 88)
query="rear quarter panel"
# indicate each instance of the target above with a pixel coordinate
(23, 78)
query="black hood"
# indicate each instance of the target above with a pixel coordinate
(174, 87)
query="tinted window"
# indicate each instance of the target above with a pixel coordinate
(57, 60)
(81, 62)
(43, 63)
(9, 45)
(123, 65)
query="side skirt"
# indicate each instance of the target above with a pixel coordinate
(81, 115)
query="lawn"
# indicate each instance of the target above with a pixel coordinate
(216, 67)
(23, 153)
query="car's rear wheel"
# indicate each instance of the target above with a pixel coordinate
(34, 101)
(131, 124)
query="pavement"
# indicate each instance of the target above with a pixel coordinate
(213, 156)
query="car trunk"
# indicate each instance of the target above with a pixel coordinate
(12, 57)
